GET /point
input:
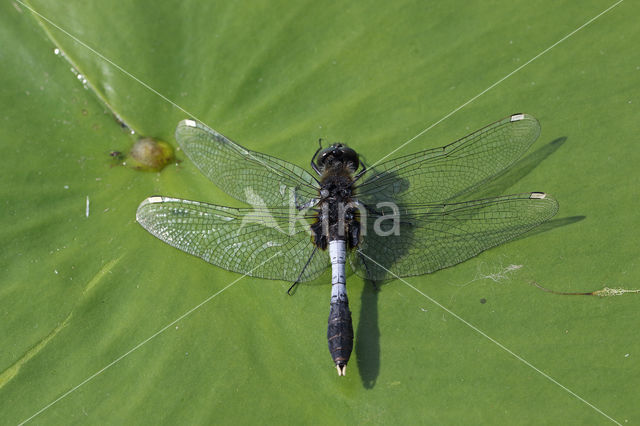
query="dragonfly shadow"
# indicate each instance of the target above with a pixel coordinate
(381, 253)
(368, 335)
(552, 224)
(500, 183)
(504, 180)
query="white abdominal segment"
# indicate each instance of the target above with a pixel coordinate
(338, 254)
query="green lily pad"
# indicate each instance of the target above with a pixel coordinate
(102, 323)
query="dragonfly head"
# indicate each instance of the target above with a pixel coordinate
(338, 156)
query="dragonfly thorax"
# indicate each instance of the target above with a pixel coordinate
(337, 217)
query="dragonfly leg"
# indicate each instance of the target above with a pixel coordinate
(314, 166)
(297, 281)
(354, 234)
(361, 172)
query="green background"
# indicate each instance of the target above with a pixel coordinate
(77, 293)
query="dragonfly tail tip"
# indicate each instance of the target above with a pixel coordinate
(342, 370)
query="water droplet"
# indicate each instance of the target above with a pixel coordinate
(56, 51)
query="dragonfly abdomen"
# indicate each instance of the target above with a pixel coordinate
(340, 327)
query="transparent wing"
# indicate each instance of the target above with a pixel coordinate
(238, 240)
(249, 176)
(435, 236)
(440, 174)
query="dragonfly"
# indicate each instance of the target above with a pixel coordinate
(396, 219)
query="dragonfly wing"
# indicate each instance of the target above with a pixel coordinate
(258, 242)
(249, 176)
(434, 236)
(440, 174)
